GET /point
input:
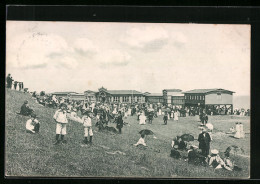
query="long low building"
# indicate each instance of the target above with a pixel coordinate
(115, 96)
(209, 98)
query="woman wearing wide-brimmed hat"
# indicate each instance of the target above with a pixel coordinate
(216, 162)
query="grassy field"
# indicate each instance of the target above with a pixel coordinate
(35, 155)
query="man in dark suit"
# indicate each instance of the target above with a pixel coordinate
(119, 122)
(20, 86)
(204, 142)
(15, 85)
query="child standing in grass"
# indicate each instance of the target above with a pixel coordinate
(60, 118)
(165, 118)
(87, 128)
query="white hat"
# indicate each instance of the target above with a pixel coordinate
(74, 109)
(209, 126)
(214, 151)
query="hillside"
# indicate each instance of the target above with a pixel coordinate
(35, 155)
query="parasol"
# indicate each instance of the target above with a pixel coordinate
(187, 137)
(146, 132)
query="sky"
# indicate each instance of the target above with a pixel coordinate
(80, 56)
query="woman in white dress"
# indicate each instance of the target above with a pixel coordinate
(176, 118)
(242, 133)
(129, 111)
(187, 112)
(160, 112)
(114, 111)
(142, 119)
(172, 114)
(238, 132)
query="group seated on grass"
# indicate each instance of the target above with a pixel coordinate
(192, 154)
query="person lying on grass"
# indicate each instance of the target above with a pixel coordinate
(141, 141)
(216, 162)
(32, 125)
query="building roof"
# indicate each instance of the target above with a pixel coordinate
(61, 93)
(154, 94)
(173, 90)
(78, 94)
(207, 90)
(146, 93)
(124, 92)
(89, 91)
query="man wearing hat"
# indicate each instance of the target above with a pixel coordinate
(87, 128)
(32, 124)
(25, 109)
(61, 120)
(204, 142)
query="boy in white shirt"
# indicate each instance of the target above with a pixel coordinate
(32, 124)
(61, 120)
(87, 128)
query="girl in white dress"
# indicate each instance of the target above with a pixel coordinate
(142, 119)
(172, 114)
(176, 118)
(160, 111)
(242, 133)
(238, 132)
(129, 111)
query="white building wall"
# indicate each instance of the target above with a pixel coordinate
(219, 99)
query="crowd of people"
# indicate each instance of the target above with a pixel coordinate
(12, 84)
(106, 113)
(202, 155)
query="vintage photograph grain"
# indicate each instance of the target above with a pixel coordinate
(135, 100)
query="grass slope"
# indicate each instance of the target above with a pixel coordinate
(35, 155)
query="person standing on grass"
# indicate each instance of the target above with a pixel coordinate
(119, 122)
(204, 142)
(176, 118)
(165, 118)
(15, 85)
(87, 128)
(61, 120)
(20, 86)
(142, 119)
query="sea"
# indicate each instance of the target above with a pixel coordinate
(241, 102)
